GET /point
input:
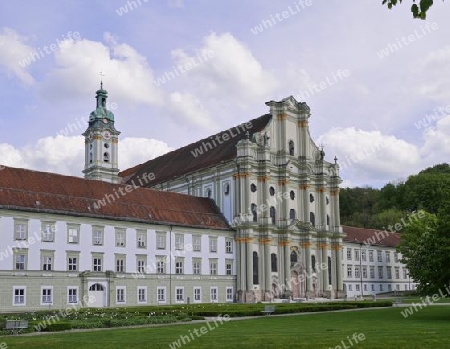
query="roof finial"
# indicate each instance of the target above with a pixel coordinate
(101, 80)
(335, 159)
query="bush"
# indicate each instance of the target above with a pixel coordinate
(57, 327)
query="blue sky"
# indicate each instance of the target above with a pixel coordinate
(366, 111)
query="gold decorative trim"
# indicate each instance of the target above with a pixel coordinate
(281, 116)
(241, 175)
(336, 247)
(265, 241)
(263, 178)
(284, 243)
(303, 123)
(321, 189)
(305, 244)
(284, 181)
(304, 186)
(322, 246)
(334, 192)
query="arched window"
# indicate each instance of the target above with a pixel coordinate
(292, 195)
(90, 158)
(96, 287)
(327, 200)
(272, 191)
(255, 268)
(328, 219)
(226, 189)
(254, 213)
(253, 188)
(291, 148)
(272, 214)
(313, 263)
(312, 219)
(329, 270)
(292, 214)
(106, 156)
(311, 198)
(294, 258)
(274, 262)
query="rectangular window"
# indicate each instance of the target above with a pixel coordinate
(179, 241)
(196, 267)
(197, 294)
(179, 266)
(229, 267)
(20, 229)
(120, 295)
(372, 272)
(214, 295)
(380, 257)
(228, 246)
(72, 295)
(179, 294)
(397, 287)
(97, 263)
(120, 263)
(72, 263)
(356, 255)
(357, 272)
(370, 256)
(97, 236)
(196, 243)
(349, 271)
(364, 271)
(46, 295)
(365, 287)
(405, 273)
(373, 287)
(160, 264)
(20, 259)
(380, 272)
(48, 231)
(388, 257)
(350, 287)
(395, 257)
(47, 260)
(142, 294)
(389, 272)
(19, 294)
(229, 291)
(141, 239)
(213, 266)
(389, 287)
(357, 287)
(161, 294)
(212, 244)
(161, 241)
(73, 234)
(141, 262)
(120, 237)
(363, 256)
(349, 254)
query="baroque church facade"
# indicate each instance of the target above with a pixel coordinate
(274, 186)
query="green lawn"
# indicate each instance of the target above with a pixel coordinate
(382, 328)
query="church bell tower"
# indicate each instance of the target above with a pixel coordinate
(101, 141)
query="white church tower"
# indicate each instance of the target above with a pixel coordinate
(101, 141)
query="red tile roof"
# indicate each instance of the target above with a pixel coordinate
(371, 236)
(182, 161)
(28, 190)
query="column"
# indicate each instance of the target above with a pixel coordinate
(280, 266)
(305, 196)
(268, 266)
(307, 246)
(333, 269)
(324, 271)
(249, 259)
(340, 281)
(287, 264)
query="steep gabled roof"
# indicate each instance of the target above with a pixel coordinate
(34, 191)
(194, 156)
(371, 236)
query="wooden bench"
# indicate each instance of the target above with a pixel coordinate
(268, 309)
(397, 302)
(15, 326)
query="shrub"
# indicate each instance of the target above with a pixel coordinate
(59, 326)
